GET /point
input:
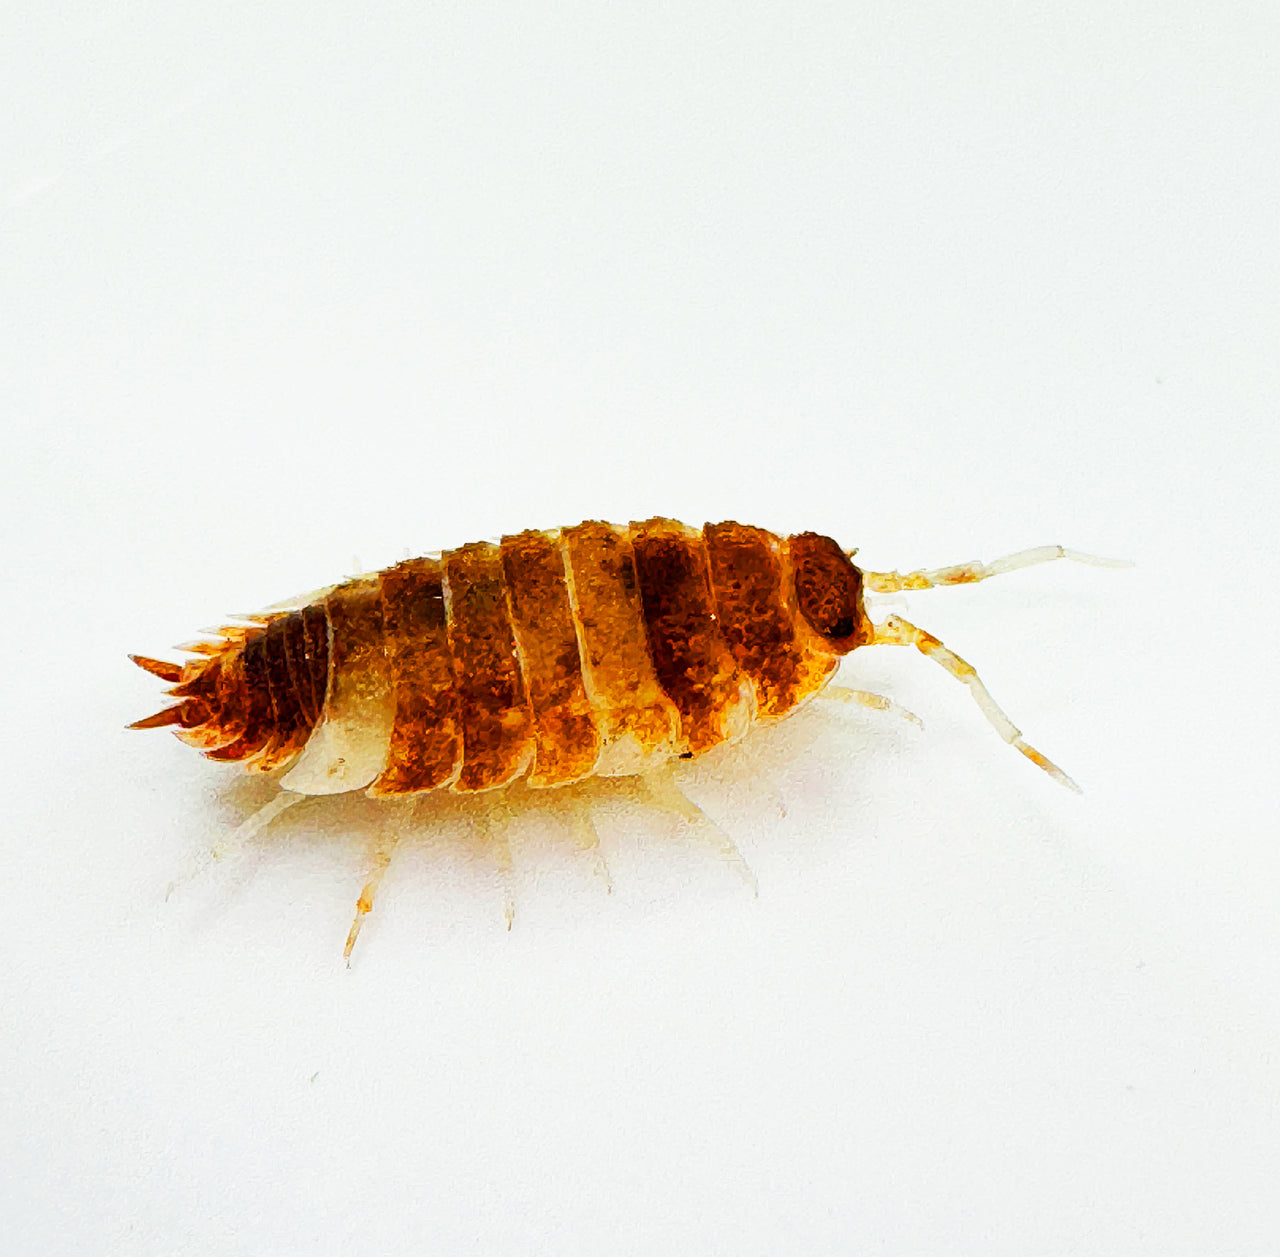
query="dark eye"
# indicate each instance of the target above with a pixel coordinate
(828, 590)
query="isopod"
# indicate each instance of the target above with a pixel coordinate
(554, 656)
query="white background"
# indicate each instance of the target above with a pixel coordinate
(284, 286)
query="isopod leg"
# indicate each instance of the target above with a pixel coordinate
(502, 854)
(896, 631)
(585, 837)
(492, 826)
(398, 817)
(240, 837)
(968, 573)
(863, 698)
(661, 789)
(364, 905)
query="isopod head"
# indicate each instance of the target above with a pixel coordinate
(829, 592)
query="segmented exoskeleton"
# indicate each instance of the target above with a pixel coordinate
(596, 650)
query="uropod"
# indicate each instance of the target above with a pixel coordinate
(550, 656)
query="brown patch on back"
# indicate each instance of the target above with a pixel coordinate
(315, 636)
(690, 659)
(567, 744)
(298, 669)
(210, 717)
(248, 702)
(425, 736)
(496, 734)
(289, 725)
(828, 591)
(244, 694)
(755, 620)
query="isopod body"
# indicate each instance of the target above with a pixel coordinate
(592, 651)
(596, 650)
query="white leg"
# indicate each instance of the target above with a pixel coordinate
(493, 826)
(863, 698)
(397, 817)
(502, 855)
(660, 786)
(381, 860)
(967, 573)
(586, 838)
(896, 631)
(240, 837)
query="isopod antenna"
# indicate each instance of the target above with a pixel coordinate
(895, 631)
(970, 573)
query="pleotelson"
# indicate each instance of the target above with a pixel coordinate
(592, 650)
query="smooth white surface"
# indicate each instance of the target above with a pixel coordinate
(282, 286)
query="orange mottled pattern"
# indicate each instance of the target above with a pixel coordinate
(828, 590)
(425, 743)
(243, 681)
(625, 694)
(567, 742)
(690, 658)
(315, 660)
(358, 634)
(560, 654)
(290, 728)
(497, 736)
(757, 625)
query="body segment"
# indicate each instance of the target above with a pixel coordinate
(691, 658)
(566, 740)
(638, 722)
(348, 747)
(425, 748)
(756, 611)
(497, 733)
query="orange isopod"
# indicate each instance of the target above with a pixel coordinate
(553, 656)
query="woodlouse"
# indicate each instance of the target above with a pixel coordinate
(595, 650)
